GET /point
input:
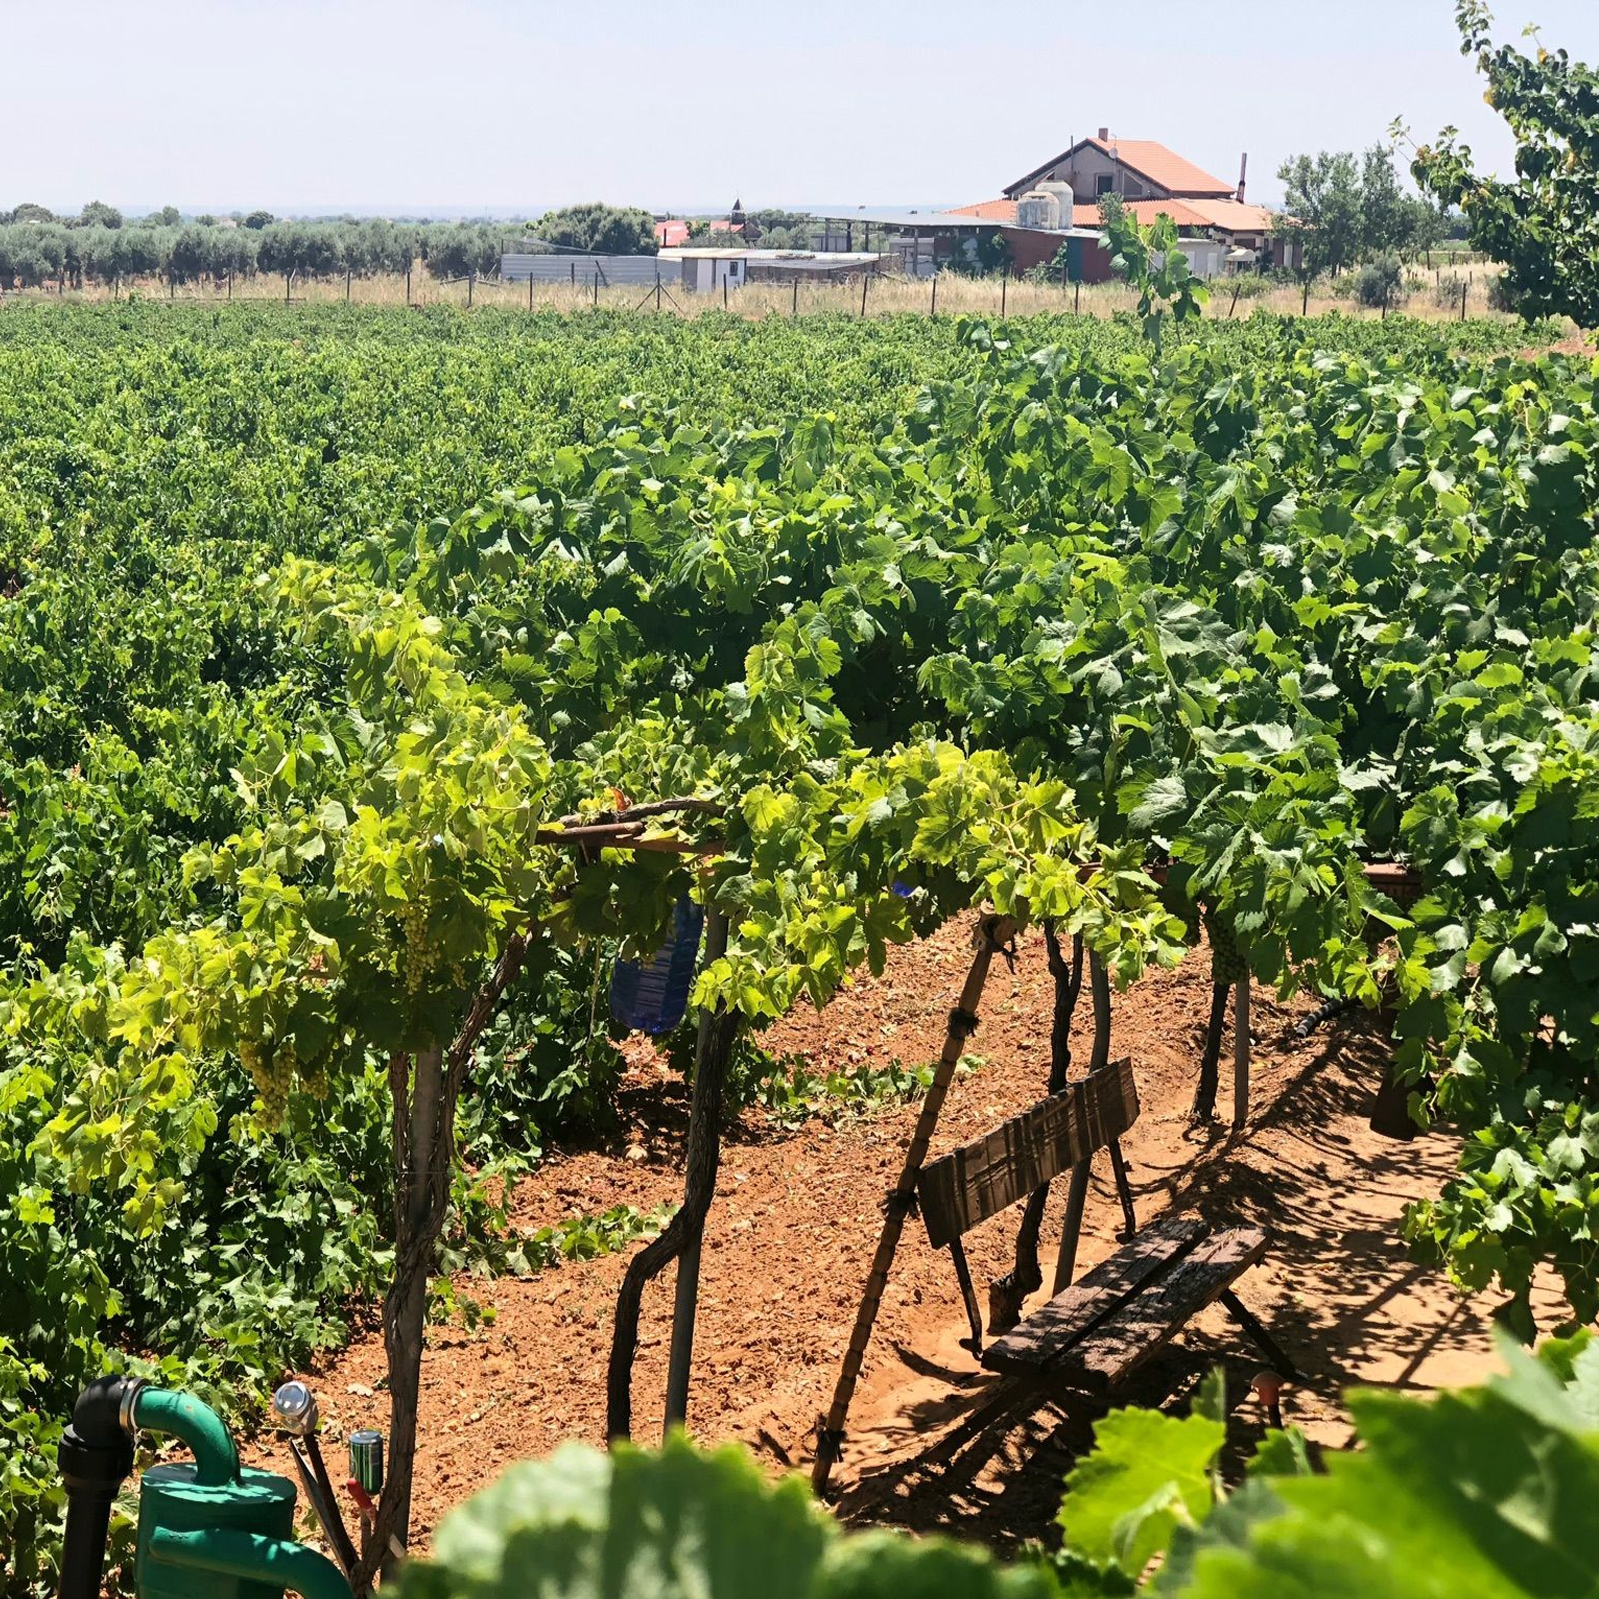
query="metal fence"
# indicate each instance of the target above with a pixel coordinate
(612, 270)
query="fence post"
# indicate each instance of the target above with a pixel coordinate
(230, 288)
(1465, 289)
(1004, 286)
(1077, 297)
(596, 285)
(530, 288)
(724, 290)
(658, 288)
(408, 285)
(471, 283)
(866, 277)
(935, 293)
(794, 311)
(288, 279)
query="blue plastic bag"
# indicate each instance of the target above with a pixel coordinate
(652, 996)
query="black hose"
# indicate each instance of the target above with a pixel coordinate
(95, 1458)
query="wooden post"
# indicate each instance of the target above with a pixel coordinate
(724, 293)
(658, 288)
(408, 285)
(471, 283)
(686, 1296)
(1004, 286)
(230, 288)
(596, 288)
(994, 932)
(866, 278)
(346, 285)
(1007, 1294)
(1241, 1051)
(288, 278)
(1077, 297)
(530, 288)
(794, 309)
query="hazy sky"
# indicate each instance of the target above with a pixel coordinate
(323, 104)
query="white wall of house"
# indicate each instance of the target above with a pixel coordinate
(1206, 257)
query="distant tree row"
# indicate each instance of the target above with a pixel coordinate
(1342, 210)
(101, 246)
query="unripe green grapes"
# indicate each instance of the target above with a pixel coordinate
(1227, 964)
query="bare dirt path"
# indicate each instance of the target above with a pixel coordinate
(797, 1216)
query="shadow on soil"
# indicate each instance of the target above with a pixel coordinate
(988, 1460)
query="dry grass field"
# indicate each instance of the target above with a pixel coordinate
(889, 294)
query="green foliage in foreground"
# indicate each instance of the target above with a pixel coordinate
(1487, 1492)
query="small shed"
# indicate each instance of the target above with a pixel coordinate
(705, 270)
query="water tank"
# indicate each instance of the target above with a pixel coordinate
(1063, 194)
(1038, 209)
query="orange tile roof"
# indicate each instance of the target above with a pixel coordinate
(1171, 171)
(1184, 213)
(989, 211)
(1162, 167)
(1227, 216)
(1235, 216)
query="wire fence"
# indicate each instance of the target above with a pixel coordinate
(1445, 294)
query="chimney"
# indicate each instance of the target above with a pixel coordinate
(1104, 135)
(1243, 174)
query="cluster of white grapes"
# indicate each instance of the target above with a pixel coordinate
(418, 954)
(272, 1072)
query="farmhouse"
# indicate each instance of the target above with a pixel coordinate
(1217, 224)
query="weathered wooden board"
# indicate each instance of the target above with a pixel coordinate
(1046, 1335)
(986, 1176)
(1149, 1320)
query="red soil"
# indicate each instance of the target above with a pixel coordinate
(797, 1218)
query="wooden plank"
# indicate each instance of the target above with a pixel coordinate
(1076, 1311)
(1148, 1321)
(991, 1173)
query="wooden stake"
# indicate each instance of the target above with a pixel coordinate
(994, 932)
(1007, 1294)
(683, 1233)
(1076, 1200)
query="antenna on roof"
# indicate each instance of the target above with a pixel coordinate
(1243, 174)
